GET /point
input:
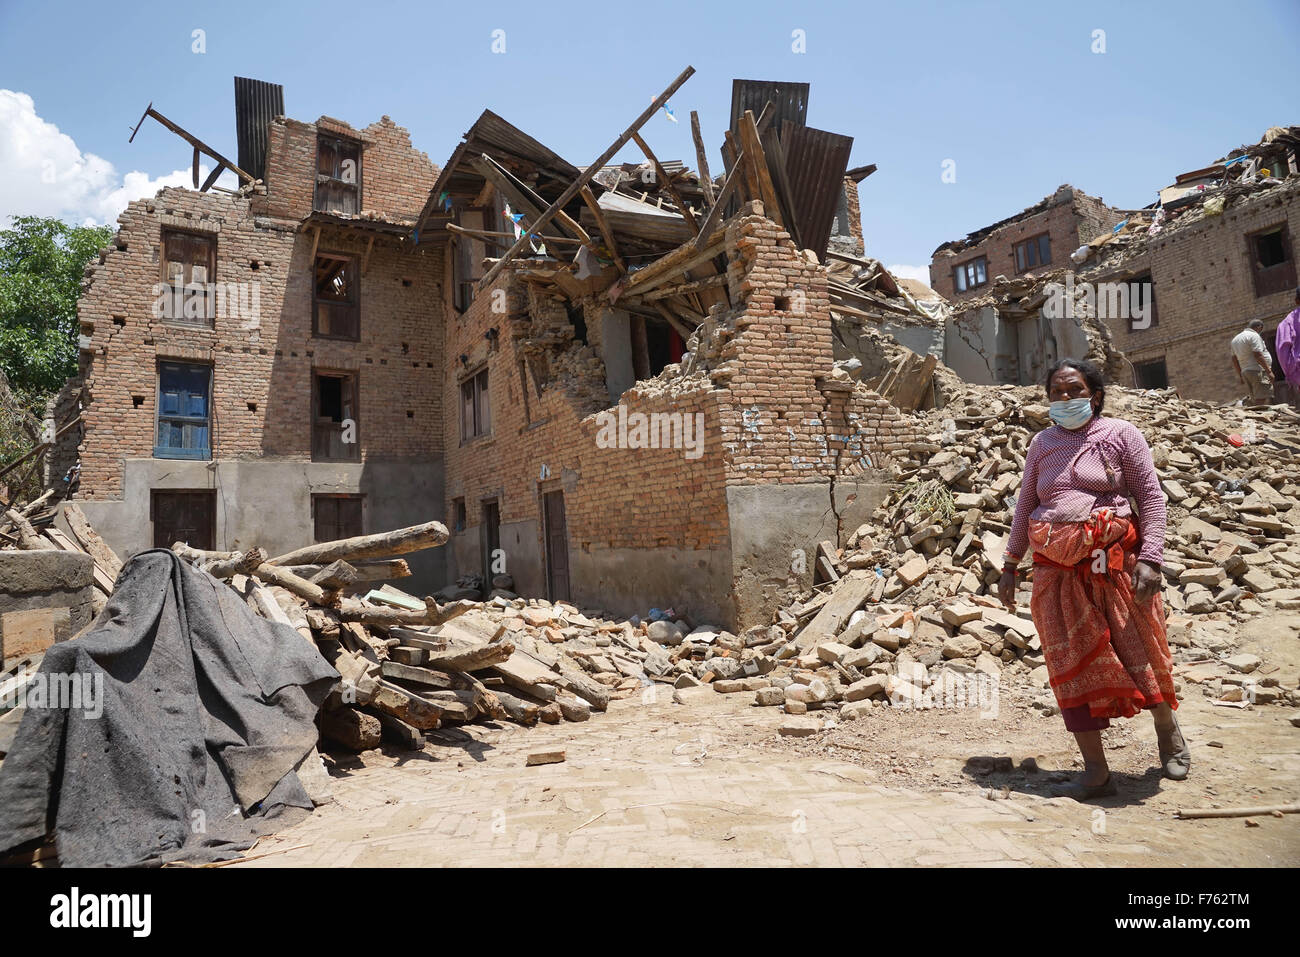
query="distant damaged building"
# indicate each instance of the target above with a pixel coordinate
(616, 384)
(1155, 296)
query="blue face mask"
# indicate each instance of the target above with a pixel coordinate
(1070, 413)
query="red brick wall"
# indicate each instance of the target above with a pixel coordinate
(1069, 224)
(1205, 294)
(268, 362)
(766, 421)
(395, 177)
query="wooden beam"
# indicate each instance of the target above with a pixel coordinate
(678, 262)
(673, 321)
(198, 144)
(365, 259)
(662, 177)
(606, 233)
(311, 261)
(701, 158)
(757, 160)
(518, 192)
(489, 235)
(586, 175)
(382, 545)
(195, 171)
(212, 177)
(682, 289)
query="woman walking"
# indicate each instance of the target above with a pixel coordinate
(1096, 601)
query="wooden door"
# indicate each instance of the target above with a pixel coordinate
(189, 517)
(491, 539)
(336, 517)
(557, 545)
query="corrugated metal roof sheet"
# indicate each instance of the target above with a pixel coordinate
(789, 99)
(256, 104)
(815, 164)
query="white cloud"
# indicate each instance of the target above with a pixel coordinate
(46, 174)
(911, 272)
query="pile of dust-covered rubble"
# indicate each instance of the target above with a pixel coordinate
(908, 614)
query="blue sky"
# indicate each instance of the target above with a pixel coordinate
(1011, 92)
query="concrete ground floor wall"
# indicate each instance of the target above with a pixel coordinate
(269, 503)
(774, 532)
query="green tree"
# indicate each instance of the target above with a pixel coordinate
(42, 261)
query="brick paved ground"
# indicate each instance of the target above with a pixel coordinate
(674, 785)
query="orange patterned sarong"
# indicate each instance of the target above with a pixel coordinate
(1102, 648)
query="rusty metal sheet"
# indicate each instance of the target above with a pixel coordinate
(815, 164)
(789, 99)
(256, 104)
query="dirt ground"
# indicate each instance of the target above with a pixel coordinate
(653, 783)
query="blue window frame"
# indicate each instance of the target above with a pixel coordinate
(184, 392)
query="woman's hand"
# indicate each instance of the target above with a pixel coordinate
(1007, 589)
(1146, 581)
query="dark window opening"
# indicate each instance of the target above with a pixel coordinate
(467, 266)
(336, 299)
(1271, 260)
(659, 342)
(183, 431)
(578, 319)
(137, 401)
(490, 532)
(335, 434)
(1151, 374)
(458, 509)
(338, 175)
(475, 407)
(1142, 291)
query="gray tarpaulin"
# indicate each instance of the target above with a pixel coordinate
(206, 710)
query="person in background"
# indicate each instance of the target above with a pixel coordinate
(1096, 601)
(1254, 367)
(1288, 349)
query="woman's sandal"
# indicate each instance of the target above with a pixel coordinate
(1176, 764)
(1084, 792)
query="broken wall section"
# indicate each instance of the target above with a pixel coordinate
(807, 447)
(642, 482)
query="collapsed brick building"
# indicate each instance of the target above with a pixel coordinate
(645, 410)
(1155, 294)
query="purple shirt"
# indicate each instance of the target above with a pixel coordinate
(1069, 475)
(1288, 355)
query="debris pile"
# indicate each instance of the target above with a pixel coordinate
(410, 665)
(908, 608)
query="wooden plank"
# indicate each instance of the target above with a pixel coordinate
(847, 596)
(585, 177)
(667, 182)
(398, 731)
(528, 202)
(757, 158)
(427, 677)
(89, 539)
(701, 159)
(606, 233)
(382, 545)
